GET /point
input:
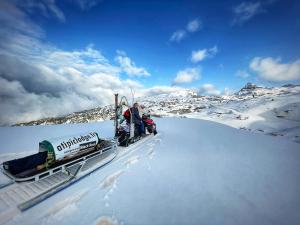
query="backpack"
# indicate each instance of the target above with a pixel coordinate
(127, 114)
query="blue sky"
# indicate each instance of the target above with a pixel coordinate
(77, 53)
(143, 29)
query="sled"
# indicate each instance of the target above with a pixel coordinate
(20, 194)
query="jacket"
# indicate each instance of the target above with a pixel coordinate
(136, 116)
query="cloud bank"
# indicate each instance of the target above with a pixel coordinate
(39, 80)
(273, 70)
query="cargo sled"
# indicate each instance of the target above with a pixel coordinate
(59, 163)
(55, 155)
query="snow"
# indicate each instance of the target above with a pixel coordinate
(193, 172)
(65, 207)
(111, 180)
(131, 161)
(104, 220)
(271, 111)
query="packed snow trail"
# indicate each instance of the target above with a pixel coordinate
(194, 172)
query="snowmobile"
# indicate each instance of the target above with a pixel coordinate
(125, 130)
(150, 126)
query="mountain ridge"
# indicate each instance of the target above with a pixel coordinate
(273, 111)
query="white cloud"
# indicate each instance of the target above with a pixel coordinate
(199, 55)
(242, 74)
(208, 89)
(213, 51)
(55, 10)
(178, 35)
(86, 4)
(193, 25)
(156, 90)
(273, 70)
(202, 54)
(129, 67)
(46, 8)
(245, 11)
(187, 75)
(228, 91)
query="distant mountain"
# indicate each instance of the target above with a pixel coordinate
(86, 116)
(274, 111)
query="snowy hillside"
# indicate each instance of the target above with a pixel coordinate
(193, 172)
(271, 111)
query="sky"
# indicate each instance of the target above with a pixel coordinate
(57, 57)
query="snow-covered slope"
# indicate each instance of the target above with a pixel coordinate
(272, 111)
(194, 172)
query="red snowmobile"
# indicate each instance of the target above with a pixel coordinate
(149, 124)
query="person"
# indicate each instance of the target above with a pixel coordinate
(137, 120)
(126, 116)
(142, 112)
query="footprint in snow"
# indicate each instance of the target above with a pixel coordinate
(65, 207)
(151, 144)
(131, 161)
(106, 220)
(150, 153)
(157, 140)
(111, 179)
(111, 183)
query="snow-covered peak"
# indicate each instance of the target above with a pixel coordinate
(251, 89)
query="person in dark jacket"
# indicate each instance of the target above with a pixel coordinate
(137, 120)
